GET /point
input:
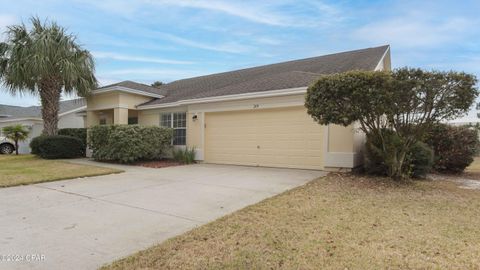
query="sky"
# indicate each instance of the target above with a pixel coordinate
(166, 40)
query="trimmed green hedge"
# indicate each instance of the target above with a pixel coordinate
(80, 133)
(455, 147)
(57, 146)
(128, 143)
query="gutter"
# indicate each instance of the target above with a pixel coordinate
(272, 93)
(21, 119)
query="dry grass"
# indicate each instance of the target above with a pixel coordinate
(473, 171)
(336, 222)
(28, 169)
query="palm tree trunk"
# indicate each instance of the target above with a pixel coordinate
(50, 90)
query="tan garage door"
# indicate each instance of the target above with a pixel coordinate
(285, 137)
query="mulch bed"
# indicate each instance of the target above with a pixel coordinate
(159, 163)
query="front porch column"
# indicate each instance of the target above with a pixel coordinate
(120, 116)
(92, 119)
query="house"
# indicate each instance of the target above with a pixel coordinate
(254, 116)
(70, 116)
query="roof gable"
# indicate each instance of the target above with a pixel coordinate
(132, 87)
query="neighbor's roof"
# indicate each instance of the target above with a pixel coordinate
(8, 112)
(291, 74)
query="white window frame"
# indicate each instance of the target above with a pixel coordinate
(172, 125)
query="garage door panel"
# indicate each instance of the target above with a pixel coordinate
(286, 137)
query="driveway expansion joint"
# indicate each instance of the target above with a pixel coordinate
(124, 205)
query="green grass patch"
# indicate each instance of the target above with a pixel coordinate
(28, 169)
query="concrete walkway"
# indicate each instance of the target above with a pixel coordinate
(85, 223)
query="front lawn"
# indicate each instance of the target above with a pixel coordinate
(341, 221)
(28, 169)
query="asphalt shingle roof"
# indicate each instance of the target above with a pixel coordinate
(136, 86)
(15, 112)
(291, 74)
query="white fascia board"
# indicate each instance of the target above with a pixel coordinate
(272, 93)
(72, 111)
(20, 119)
(379, 65)
(126, 90)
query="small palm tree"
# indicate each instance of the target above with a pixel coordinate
(45, 60)
(16, 133)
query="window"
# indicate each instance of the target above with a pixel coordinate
(166, 120)
(133, 120)
(177, 121)
(103, 121)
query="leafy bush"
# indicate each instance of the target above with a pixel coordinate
(407, 99)
(454, 146)
(57, 146)
(80, 133)
(420, 158)
(417, 163)
(128, 143)
(186, 155)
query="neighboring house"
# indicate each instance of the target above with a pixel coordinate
(254, 116)
(71, 115)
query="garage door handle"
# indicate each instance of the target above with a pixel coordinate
(258, 146)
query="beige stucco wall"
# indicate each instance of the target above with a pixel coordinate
(148, 119)
(341, 139)
(116, 107)
(103, 101)
(120, 116)
(341, 144)
(112, 100)
(131, 101)
(195, 130)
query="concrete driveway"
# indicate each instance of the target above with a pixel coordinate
(85, 223)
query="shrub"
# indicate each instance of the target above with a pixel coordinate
(454, 146)
(80, 133)
(128, 143)
(57, 146)
(420, 158)
(407, 99)
(186, 155)
(417, 163)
